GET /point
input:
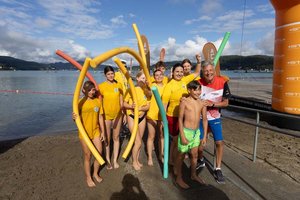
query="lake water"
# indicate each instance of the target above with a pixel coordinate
(40, 102)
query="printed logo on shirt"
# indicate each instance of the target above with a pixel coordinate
(116, 90)
(96, 109)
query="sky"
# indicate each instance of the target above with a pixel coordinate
(34, 29)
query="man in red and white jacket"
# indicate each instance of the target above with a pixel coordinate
(215, 93)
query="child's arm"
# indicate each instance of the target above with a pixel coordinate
(205, 124)
(121, 101)
(184, 141)
(145, 108)
(101, 123)
(128, 106)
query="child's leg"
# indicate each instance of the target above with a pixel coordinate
(86, 164)
(134, 150)
(194, 157)
(179, 179)
(108, 137)
(116, 138)
(151, 124)
(174, 150)
(161, 140)
(142, 127)
(98, 145)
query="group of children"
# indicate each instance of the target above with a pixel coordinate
(102, 117)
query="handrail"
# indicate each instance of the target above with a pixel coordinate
(257, 125)
(264, 111)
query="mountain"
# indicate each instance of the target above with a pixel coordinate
(235, 62)
(232, 62)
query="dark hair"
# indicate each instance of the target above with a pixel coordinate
(160, 64)
(88, 85)
(186, 61)
(108, 69)
(175, 66)
(193, 85)
(157, 70)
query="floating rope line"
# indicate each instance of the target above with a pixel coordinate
(35, 92)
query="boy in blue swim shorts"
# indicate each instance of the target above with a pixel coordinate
(190, 111)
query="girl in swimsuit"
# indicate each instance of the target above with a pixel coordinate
(143, 97)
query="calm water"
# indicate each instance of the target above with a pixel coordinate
(40, 102)
(42, 106)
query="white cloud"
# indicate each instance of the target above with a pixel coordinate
(118, 21)
(209, 7)
(266, 43)
(131, 15)
(41, 50)
(235, 15)
(202, 18)
(42, 22)
(256, 24)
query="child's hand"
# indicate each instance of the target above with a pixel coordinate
(102, 138)
(133, 106)
(182, 99)
(203, 142)
(184, 141)
(74, 116)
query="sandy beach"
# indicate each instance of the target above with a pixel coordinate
(50, 167)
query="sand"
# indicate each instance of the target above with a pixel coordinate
(50, 167)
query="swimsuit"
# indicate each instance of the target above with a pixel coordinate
(193, 137)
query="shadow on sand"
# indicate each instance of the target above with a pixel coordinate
(7, 144)
(131, 189)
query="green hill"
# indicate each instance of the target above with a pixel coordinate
(232, 62)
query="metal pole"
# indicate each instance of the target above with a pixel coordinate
(215, 156)
(256, 136)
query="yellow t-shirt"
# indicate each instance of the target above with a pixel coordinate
(89, 110)
(165, 80)
(153, 112)
(111, 99)
(141, 100)
(120, 78)
(173, 92)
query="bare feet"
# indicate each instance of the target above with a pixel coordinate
(98, 178)
(116, 165)
(181, 183)
(140, 164)
(198, 179)
(90, 182)
(108, 166)
(136, 166)
(150, 162)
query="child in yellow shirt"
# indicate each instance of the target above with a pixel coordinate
(112, 96)
(154, 119)
(143, 105)
(91, 113)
